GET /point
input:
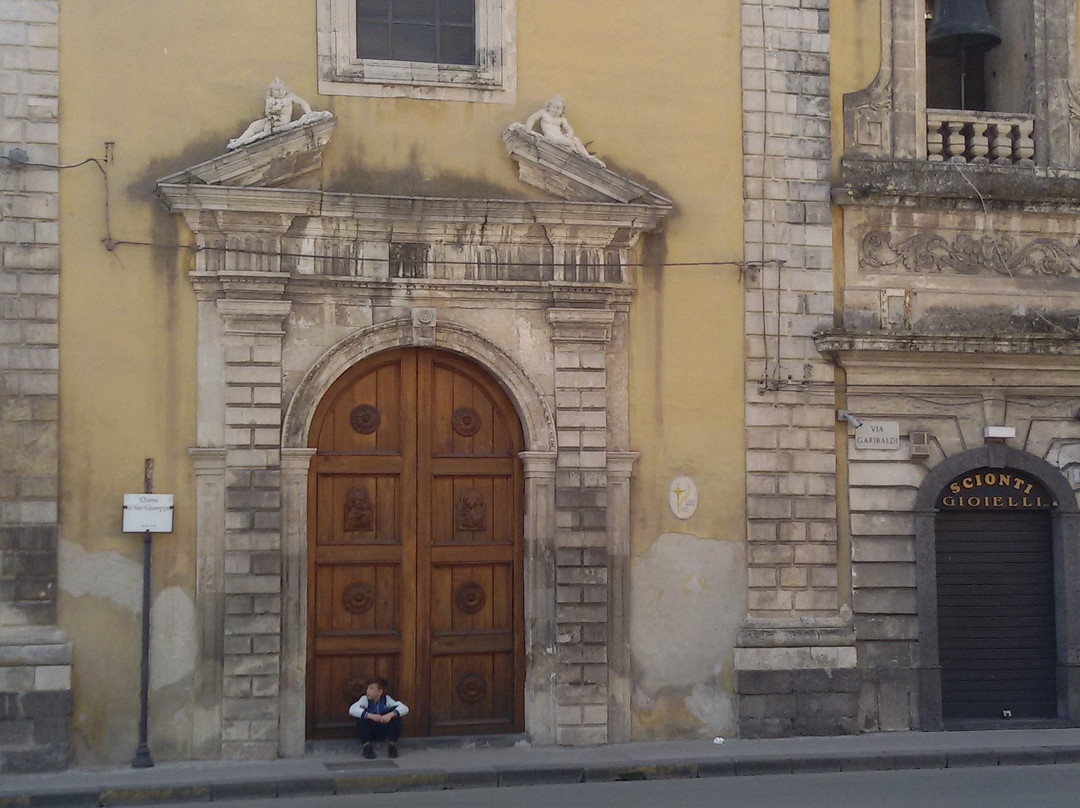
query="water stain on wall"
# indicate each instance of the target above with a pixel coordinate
(688, 596)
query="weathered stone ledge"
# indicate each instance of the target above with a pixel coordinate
(910, 183)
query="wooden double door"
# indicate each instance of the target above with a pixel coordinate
(415, 547)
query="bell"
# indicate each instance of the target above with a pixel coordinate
(961, 26)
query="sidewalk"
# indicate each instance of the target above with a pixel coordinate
(339, 769)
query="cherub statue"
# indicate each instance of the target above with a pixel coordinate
(555, 128)
(277, 114)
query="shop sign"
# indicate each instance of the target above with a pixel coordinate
(994, 489)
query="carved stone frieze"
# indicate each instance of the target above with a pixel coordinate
(965, 254)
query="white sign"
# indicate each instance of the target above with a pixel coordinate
(682, 497)
(878, 435)
(143, 512)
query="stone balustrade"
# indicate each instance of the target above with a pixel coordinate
(979, 137)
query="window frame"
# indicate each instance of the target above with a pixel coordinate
(494, 79)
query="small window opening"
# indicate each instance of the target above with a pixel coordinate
(437, 31)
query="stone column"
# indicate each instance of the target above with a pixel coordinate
(580, 338)
(620, 467)
(252, 337)
(540, 613)
(295, 464)
(209, 466)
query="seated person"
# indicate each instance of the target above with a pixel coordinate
(378, 717)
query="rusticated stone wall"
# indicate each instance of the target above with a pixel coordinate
(35, 660)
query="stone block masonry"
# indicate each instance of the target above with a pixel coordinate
(580, 338)
(35, 658)
(251, 577)
(29, 287)
(786, 683)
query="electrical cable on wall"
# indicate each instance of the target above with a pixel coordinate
(111, 244)
(18, 160)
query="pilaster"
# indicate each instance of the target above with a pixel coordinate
(252, 333)
(295, 464)
(209, 464)
(620, 468)
(580, 338)
(540, 609)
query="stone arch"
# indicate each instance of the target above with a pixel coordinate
(1065, 528)
(538, 424)
(536, 416)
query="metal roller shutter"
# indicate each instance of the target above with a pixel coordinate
(995, 588)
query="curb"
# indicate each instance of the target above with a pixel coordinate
(543, 774)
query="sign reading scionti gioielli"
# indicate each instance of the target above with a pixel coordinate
(1002, 489)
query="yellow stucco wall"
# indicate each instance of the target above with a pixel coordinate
(655, 87)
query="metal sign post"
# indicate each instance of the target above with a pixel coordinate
(146, 513)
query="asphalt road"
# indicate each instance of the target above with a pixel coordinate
(988, 787)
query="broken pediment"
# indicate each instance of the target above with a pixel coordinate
(292, 151)
(567, 174)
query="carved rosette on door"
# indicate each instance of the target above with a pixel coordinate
(415, 557)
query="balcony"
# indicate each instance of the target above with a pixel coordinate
(979, 137)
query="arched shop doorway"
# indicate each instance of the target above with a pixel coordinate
(994, 564)
(997, 536)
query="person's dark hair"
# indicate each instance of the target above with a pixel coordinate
(378, 680)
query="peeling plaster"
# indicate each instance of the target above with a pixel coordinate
(688, 597)
(104, 574)
(714, 707)
(172, 639)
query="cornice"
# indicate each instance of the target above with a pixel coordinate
(1025, 346)
(268, 161)
(921, 183)
(381, 209)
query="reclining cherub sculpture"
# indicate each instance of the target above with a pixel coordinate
(554, 128)
(277, 115)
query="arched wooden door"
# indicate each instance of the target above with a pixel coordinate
(415, 546)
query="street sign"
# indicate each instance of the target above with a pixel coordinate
(878, 435)
(148, 512)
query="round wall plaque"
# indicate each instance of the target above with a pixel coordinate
(683, 497)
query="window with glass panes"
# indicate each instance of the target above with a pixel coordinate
(439, 31)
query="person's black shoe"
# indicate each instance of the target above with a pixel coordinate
(369, 751)
(391, 749)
